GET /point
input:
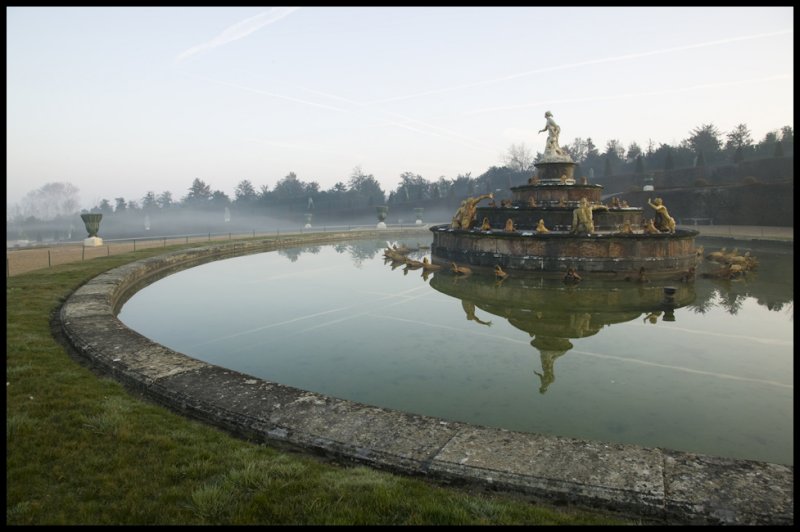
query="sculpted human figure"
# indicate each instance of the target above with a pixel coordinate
(540, 227)
(456, 224)
(650, 228)
(663, 221)
(485, 226)
(509, 228)
(582, 217)
(470, 207)
(553, 131)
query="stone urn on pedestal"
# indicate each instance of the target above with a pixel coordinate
(92, 222)
(383, 211)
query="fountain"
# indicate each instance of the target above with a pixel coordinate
(92, 222)
(308, 216)
(554, 224)
(418, 215)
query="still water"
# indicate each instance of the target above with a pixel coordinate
(710, 371)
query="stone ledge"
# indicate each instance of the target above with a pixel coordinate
(656, 484)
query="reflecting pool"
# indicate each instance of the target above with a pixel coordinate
(708, 369)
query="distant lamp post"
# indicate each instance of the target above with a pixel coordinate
(383, 212)
(308, 220)
(92, 222)
(418, 215)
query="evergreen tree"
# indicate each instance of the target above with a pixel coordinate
(199, 194)
(165, 199)
(149, 201)
(739, 140)
(706, 138)
(701, 159)
(669, 162)
(105, 206)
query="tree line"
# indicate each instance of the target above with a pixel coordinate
(706, 145)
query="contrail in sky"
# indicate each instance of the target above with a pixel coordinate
(583, 63)
(629, 95)
(431, 129)
(265, 93)
(305, 147)
(240, 30)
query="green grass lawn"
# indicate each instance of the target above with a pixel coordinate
(83, 450)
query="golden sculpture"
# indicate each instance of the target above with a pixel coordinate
(717, 256)
(650, 228)
(469, 208)
(540, 228)
(456, 223)
(626, 228)
(563, 179)
(531, 202)
(624, 205)
(412, 264)
(582, 217)
(663, 221)
(429, 266)
(499, 273)
(745, 261)
(485, 225)
(509, 228)
(652, 317)
(460, 270)
(572, 276)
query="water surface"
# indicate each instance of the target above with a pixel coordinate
(708, 371)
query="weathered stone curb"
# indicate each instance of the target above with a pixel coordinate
(650, 483)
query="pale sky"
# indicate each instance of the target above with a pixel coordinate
(119, 101)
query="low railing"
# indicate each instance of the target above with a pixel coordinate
(22, 259)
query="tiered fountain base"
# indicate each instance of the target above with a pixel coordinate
(618, 247)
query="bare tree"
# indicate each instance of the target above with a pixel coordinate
(50, 201)
(519, 158)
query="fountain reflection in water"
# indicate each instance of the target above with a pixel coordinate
(709, 371)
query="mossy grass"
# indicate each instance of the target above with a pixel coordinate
(81, 449)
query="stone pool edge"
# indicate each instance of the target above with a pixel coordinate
(648, 483)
